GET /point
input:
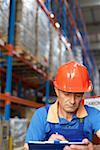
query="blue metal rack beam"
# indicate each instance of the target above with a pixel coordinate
(10, 57)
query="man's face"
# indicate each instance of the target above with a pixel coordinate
(68, 101)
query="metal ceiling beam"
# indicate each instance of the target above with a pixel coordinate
(89, 3)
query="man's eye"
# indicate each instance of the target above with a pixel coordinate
(78, 95)
(66, 94)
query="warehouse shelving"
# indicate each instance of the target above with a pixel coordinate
(26, 72)
(21, 69)
(72, 27)
(24, 68)
(13, 99)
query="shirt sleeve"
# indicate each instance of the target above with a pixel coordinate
(36, 129)
(95, 119)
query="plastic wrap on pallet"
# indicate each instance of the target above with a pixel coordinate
(34, 34)
(55, 50)
(56, 61)
(25, 38)
(18, 129)
(65, 54)
(43, 37)
(4, 134)
(78, 54)
(45, 29)
(4, 15)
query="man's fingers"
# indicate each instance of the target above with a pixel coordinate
(85, 145)
(56, 137)
(60, 137)
(67, 148)
(26, 146)
(85, 141)
(79, 147)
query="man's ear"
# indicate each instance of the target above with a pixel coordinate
(57, 91)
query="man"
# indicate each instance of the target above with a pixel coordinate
(67, 119)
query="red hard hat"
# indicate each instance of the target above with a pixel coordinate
(73, 77)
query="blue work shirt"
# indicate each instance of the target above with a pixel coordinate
(39, 125)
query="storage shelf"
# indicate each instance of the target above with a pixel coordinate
(13, 99)
(23, 69)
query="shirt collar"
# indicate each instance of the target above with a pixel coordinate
(53, 112)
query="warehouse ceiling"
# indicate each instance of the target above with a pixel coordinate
(91, 15)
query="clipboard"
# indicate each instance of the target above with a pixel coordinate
(50, 145)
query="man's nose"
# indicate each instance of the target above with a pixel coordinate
(72, 99)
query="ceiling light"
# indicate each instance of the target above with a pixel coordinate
(52, 15)
(57, 25)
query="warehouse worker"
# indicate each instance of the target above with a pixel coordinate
(67, 119)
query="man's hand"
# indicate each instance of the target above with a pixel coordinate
(98, 134)
(26, 146)
(54, 137)
(87, 146)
